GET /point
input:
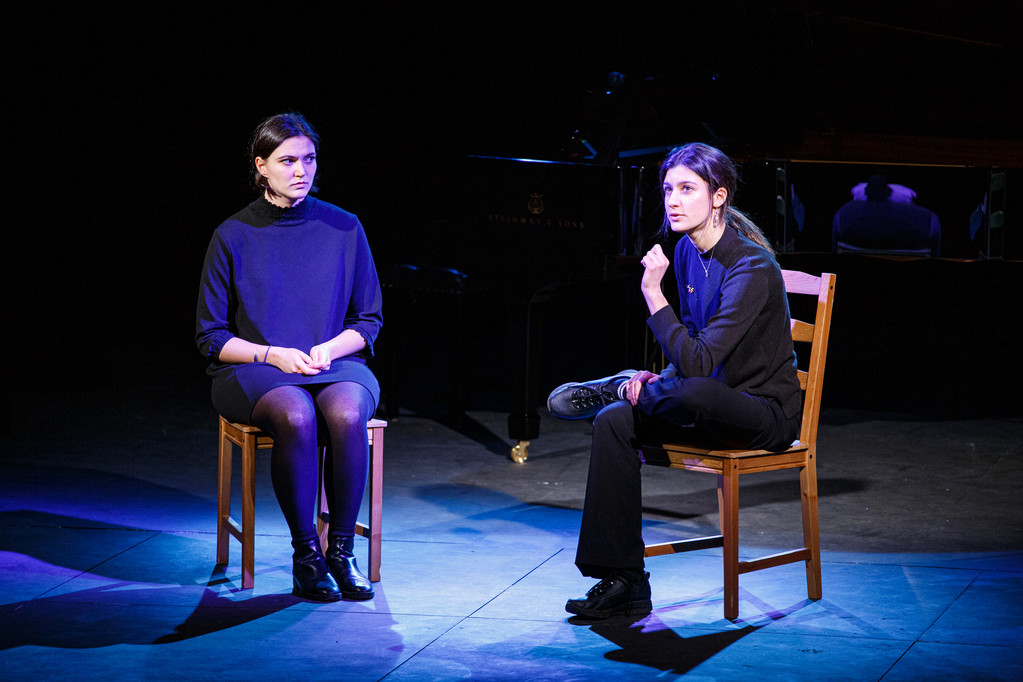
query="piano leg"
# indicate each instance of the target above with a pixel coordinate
(524, 422)
(520, 452)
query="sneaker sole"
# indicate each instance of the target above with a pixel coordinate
(633, 608)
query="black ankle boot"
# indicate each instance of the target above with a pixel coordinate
(311, 578)
(621, 593)
(354, 585)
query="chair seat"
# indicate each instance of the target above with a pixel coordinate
(683, 448)
(693, 458)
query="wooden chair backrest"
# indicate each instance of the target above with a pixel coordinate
(811, 377)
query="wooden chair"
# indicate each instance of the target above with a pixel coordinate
(250, 439)
(728, 465)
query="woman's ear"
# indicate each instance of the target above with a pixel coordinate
(261, 165)
(719, 197)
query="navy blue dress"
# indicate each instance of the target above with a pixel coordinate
(291, 278)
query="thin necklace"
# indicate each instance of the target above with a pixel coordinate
(706, 267)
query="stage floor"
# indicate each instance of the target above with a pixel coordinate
(107, 511)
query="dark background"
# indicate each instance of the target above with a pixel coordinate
(128, 128)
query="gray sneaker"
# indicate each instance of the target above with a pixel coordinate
(576, 400)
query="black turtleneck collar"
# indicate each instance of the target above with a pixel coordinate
(272, 214)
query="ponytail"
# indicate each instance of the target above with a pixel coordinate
(743, 225)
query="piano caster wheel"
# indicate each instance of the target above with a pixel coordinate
(520, 452)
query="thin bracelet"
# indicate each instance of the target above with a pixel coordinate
(265, 355)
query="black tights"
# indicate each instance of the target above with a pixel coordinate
(299, 417)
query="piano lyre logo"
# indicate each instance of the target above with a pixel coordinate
(535, 204)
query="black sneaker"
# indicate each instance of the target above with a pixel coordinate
(615, 595)
(576, 400)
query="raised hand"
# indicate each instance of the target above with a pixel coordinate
(655, 264)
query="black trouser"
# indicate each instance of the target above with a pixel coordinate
(700, 411)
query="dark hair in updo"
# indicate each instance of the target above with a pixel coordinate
(271, 133)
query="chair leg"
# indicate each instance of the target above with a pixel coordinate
(728, 509)
(248, 511)
(811, 529)
(376, 495)
(223, 497)
(323, 511)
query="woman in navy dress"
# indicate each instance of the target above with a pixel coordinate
(289, 308)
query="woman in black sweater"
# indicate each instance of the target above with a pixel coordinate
(731, 382)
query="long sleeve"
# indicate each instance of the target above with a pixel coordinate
(364, 313)
(216, 301)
